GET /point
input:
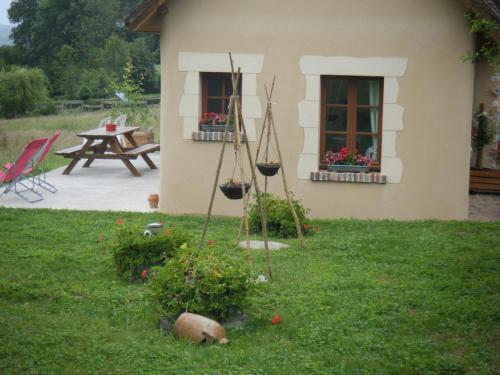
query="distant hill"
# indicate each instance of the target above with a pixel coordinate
(4, 35)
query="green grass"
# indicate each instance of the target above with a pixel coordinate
(365, 297)
(16, 133)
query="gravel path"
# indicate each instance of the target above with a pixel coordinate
(484, 207)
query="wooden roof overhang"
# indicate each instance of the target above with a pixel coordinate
(147, 17)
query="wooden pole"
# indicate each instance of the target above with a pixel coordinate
(256, 158)
(217, 173)
(285, 185)
(263, 215)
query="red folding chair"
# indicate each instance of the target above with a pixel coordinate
(38, 171)
(16, 173)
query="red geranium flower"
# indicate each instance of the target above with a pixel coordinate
(119, 221)
(276, 319)
(144, 274)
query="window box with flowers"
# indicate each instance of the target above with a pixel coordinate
(215, 122)
(345, 161)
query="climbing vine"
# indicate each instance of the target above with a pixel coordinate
(488, 34)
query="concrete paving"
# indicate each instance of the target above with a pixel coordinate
(106, 186)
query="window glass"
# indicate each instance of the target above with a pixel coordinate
(214, 105)
(214, 86)
(336, 91)
(367, 145)
(368, 91)
(367, 120)
(336, 119)
(335, 142)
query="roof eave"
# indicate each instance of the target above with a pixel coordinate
(147, 16)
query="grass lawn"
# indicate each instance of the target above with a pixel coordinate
(365, 297)
(16, 133)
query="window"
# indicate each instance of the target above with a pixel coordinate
(351, 115)
(216, 92)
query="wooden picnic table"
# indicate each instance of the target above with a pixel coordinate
(102, 144)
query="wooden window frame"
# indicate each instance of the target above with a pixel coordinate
(351, 106)
(222, 98)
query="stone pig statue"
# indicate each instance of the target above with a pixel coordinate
(199, 329)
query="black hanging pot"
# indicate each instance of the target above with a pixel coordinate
(234, 190)
(268, 169)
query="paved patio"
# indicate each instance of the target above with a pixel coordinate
(106, 185)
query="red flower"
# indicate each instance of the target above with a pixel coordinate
(144, 274)
(276, 319)
(307, 226)
(211, 242)
(119, 221)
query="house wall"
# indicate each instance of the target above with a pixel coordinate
(415, 45)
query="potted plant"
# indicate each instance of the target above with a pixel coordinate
(269, 168)
(216, 122)
(345, 161)
(233, 189)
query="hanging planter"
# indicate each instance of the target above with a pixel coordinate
(269, 169)
(234, 189)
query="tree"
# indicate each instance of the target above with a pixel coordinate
(21, 90)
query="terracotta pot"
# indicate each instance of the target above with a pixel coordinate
(153, 200)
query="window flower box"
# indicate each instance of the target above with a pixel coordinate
(340, 168)
(215, 128)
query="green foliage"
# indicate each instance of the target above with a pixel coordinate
(483, 130)
(280, 220)
(22, 90)
(367, 297)
(133, 252)
(207, 283)
(68, 39)
(488, 34)
(138, 113)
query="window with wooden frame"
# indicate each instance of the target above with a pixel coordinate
(216, 91)
(351, 116)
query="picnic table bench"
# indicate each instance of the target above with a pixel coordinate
(102, 144)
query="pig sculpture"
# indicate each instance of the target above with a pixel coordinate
(199, 329)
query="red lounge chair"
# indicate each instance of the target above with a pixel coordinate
(40, 179)
(15, 175)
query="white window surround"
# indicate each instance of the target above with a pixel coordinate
(195, 63)
(313, 67)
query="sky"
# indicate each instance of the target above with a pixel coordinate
(4, 5)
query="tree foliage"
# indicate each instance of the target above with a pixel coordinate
(81, 45)
(22, 91)
(488, 37)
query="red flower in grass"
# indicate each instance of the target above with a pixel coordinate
(307, 226)
(211, 242)
(119, 221)
(276, 319)
(144, 274)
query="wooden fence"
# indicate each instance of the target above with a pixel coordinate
(97, 104)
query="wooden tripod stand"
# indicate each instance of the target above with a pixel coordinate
(234, 110)
(269, 128)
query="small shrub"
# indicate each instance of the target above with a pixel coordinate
(280, 220)
(209, 284)
(133, 252)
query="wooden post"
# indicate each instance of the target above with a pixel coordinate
(285, 185)
(217, 173)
